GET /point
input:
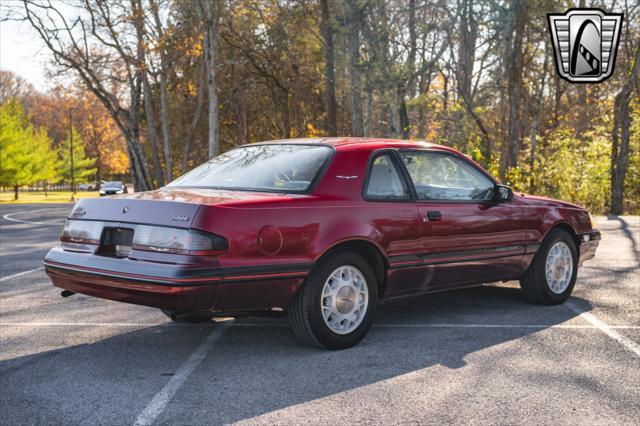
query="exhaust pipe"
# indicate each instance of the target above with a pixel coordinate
(66, 293)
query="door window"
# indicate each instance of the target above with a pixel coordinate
(384, 181)
(438, 176)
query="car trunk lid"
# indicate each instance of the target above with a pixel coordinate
(150, 212)
(167, 207)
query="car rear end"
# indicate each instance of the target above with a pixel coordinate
(168, 248)
(138, 251)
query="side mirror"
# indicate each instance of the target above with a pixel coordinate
(502, 193)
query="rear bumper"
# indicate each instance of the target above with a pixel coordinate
(173, 287)
(588, 244)
(181, 298)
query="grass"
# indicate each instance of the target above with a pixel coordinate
(39, 197)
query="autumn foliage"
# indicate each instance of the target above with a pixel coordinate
(163, 86)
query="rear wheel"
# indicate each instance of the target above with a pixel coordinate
(336, 305)
(552, 274)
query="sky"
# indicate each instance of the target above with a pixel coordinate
(22, 52)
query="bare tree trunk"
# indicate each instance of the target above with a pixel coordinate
(468, 34)
(403, 119)
(146, 88)
(236, 99)
(354, 21)
(422, 110)
(368, 113)
(164, 96)
(620, 137)
(195, 119)
(138, 166)
(142, 181)
(286, 116)
(445, 105)
(557, 98)
(620, 149)
(514, 89)
(408, 85)
(211, 15)
(581, 125)
(329, 70)
(537, 109)
(151, 130)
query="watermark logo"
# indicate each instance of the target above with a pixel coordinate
(585, 42)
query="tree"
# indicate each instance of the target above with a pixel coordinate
(210, 10)
(476, 75)
(329, 69)
(95, 45)
(13, 87)
(83, 168)
(355, 14)
(621, 135)
(163, 48)
(25, 153)
(514, 60)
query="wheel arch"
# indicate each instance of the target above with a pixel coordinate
(368, 250)
(565, 226)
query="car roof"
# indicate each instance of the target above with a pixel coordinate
(364, 143)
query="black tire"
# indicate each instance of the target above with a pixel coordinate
(534, 283)
(305, 313)
(189, 317)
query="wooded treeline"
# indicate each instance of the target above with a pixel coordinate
(185, 80)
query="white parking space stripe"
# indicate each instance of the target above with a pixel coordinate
(19, 274)
(606, 329)
(540, 326)
(399, 325)
(10, 218)
(160, 401)
(85, 324)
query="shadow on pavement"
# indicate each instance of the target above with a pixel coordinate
(624, 225)
(258, 366)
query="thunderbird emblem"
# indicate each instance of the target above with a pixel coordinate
(80, 211)
(585, 42)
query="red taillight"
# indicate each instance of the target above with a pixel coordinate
(150, 238)
(82, 232)
(179, 241)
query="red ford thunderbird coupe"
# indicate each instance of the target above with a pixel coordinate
(324, 230)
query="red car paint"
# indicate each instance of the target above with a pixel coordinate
(276, 238)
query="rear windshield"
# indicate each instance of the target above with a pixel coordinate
(280, 168)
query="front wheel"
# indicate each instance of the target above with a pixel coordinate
(552, 274)
(335, 307)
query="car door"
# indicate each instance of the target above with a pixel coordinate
(467, 238)
(391, 210)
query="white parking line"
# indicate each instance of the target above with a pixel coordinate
(160, 401)
(539, 326)
(19, 274)
(9, 217)
(606, 329)
(85, 324)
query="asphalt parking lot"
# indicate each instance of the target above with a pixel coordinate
(480, 355)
